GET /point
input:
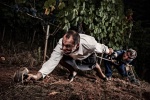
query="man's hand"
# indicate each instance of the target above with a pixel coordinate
(113, 61)
(110, 51)
(34, 77)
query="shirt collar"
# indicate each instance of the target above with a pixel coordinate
(79, 51)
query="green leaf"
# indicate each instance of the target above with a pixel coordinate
(71, 16)
(108, 29)
(111, 35)
(61, 5)
(75, 11)
(74, 23)
(110, 44)
(113, 1)
(65, 28)
(113, 24)
(68, 25)
(97, 19)
(48, 3)
(91, 26)
(106, 23)
(100, 14)
(65, 20)
(81, 12)
(95, 30)
(66, 13)
(85, 21)
(111, 19)
(98, 31)
(117, 18)
(83, 7)
(77, 19)
(108, 9)
(80, 19)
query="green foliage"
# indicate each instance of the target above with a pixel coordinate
(102, 19)
(51, 5)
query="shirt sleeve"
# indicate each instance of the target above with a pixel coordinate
(101, 48)
(119, 52)
(55, 58)
(92, 44)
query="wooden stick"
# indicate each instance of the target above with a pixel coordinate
(46, 40)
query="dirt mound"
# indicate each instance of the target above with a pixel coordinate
(85, 86)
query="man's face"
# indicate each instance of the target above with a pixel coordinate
(126, 56)
(68, 45)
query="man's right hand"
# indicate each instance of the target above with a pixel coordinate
(34, 77)
(113, 61)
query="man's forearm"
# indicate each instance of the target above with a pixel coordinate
(39, 76)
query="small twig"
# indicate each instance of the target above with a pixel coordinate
(55, 82)
(34, 16)
(56, 30)
(33, 37)
(3, 33)
(130, 97)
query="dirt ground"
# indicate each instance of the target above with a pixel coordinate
(86, 86)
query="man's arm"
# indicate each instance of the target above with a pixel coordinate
(49, 65)
(101, 48)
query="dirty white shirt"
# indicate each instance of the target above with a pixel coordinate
(88, 45)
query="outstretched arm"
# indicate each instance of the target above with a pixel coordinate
(101, 48)
(49, 65)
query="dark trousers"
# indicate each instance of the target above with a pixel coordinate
(108, 69)
(85, 64)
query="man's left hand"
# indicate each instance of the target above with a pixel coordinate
(110, 51)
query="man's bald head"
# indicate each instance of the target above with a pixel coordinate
(70, 42)
(74, 35)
